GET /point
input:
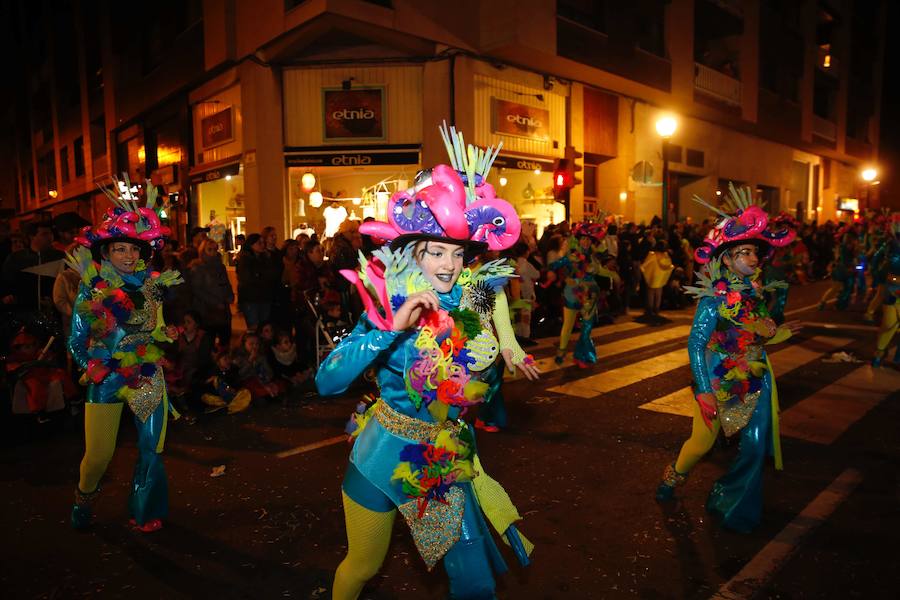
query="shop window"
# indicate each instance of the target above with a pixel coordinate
(221, 207)
(78, 155)
(64, 163)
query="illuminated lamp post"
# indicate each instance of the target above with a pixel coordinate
(868, 175)
(665, 127)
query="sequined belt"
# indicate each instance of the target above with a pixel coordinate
(410, 427)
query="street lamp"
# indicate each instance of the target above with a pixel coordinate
(868, 175)
(665, 127)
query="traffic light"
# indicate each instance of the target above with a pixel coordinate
(562, 179)
(564, 172)
(572, 166)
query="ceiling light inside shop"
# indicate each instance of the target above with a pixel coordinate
(623, 196)
(228, 178)
(315, 199)
(308, 182)
(356, 201)
(503, 181)
(537, 171)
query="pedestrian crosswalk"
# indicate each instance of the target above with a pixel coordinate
(821, 417)
(607, 350)
(825, 415)
(783, 361)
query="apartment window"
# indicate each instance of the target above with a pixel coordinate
(64, 164)
(98, 137)
(78, 152)
(650, 26)
(46, 174)
(587, 13)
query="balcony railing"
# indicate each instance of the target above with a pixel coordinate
(824, 128)
(718, 85)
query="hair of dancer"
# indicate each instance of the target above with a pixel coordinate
(577, 269)
(734, 387)
(429, 332)
(116, 323)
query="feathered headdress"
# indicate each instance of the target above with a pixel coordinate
(595, 231)
(451, 202)
(126, 221)
(747, 223)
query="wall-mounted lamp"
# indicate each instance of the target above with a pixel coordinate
(347, 83)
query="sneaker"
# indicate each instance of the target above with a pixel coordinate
(479, 424)
(148, 527)
(560, 357)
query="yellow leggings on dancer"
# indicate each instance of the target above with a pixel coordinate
(877, 300)
(569, 316)
(368, 539)
(701, 441)
(889, 322)
(101, 427)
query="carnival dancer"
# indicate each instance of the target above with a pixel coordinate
(880, 265)
(429, 337)
(843, 270)
(733, 383)
(577, 269)
(890, 316)
(116, 325)
(779, 266)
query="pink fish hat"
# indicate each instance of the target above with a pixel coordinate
(451, 203)
(742, 222)
(126, 221)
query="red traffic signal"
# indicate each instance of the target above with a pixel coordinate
(562, 178)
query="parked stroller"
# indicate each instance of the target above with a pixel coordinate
(332, 324)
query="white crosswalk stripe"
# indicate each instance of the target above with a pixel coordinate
(631, 344)
(614, 379)
(783, 361)
(825, 415)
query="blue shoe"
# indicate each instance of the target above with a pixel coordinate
(665, 493)
(83, 510)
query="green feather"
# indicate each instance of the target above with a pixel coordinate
(468, 321)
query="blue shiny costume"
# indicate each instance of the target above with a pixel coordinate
(470, 561)
(148, 499)
(736, 498)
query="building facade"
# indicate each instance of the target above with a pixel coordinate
(300, 114)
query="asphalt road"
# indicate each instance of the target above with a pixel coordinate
(581, 459)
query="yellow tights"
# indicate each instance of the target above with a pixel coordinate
(701, 441)
(889, 321)
(101, 427)
(368, 538)
(569, 316)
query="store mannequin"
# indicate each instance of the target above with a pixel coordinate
(334, 214)
(216, 228)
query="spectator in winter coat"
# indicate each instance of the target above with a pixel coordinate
(211, 291)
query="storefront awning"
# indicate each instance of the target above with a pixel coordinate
(204, 173)
(352, 156)
(506, 161)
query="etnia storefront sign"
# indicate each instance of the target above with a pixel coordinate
(512, 118)
(355, 114)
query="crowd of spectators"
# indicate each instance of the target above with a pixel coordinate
(292, 301)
